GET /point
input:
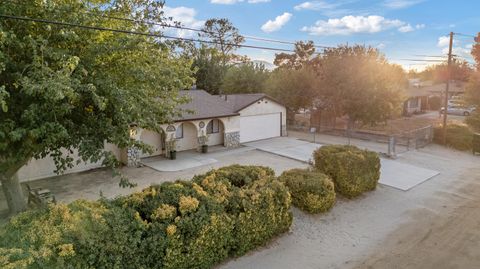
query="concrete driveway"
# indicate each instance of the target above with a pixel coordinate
(393, 173)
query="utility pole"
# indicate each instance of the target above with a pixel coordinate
(445, 110)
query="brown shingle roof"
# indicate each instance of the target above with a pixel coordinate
(204, 106)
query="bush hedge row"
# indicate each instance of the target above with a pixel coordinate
(183, 224)
(459, 136)
(352, 170)
(311, 191)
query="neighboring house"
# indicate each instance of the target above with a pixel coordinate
(420, 94)
(226, 120)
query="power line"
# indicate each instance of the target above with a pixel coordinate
(97, 28)
(420, 60)
(430, 56)
(166, 25)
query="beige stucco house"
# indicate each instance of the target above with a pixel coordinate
(226, 120)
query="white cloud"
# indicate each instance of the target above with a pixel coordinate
(316, 5)
(406, 28)
(186, 16)
(443, 41)
(277, 24)
(398, 4)
(420, 26)
(231, 2)
(381, 46)
(355, 24)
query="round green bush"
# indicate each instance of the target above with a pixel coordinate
(459, 136)
(311, 191)
(353, 171)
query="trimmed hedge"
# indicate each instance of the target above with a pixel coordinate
(183, 224)
(459, 136)
(311, 191)
(352, 170)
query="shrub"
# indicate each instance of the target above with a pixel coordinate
(183, 224)
(79, 235)
(352, 170)
(311, 191)
(459, 136)
(254, 199)
(474, 121)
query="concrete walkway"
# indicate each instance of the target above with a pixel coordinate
(393, 173)
(191, 159)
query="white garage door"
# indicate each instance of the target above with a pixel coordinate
(259, 127)
(152, 139)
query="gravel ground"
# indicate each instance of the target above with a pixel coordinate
(434, 225)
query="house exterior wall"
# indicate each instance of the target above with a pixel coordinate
(45, 167)
(413, 105)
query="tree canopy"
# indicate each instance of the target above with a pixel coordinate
(245, 78)
(70, 88)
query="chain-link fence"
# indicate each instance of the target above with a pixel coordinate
(388, 144)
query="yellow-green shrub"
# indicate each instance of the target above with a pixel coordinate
(183, 224)
(459, 136)
(352, 170)
(311, 191)
(254, 199)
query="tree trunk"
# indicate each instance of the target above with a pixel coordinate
(14, 194)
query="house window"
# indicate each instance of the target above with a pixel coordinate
(179, 132)
(213, 127)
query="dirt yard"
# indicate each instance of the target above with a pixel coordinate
(434, 225)
(449, 238)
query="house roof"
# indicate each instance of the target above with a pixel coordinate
(238, 102)
(455, 87)
(204, 106)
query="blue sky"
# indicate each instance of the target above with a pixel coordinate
(399, 28)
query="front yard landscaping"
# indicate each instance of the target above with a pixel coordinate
(184, 224)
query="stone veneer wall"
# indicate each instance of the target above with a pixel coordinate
(232, 140)
(133, 157)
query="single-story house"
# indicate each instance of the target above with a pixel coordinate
(419, 95)
(227, 120)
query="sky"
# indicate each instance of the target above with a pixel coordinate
(401, 29)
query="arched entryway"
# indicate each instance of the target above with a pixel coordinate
(186, 135)
(215, 130)
(155, 140)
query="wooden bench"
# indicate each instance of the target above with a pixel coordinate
(39, 196)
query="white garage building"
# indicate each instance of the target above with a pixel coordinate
(227, 120)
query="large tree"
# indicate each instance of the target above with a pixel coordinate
(304, 55)
(209, 69)
(295, 88)
(245, 78)
(66, 88)
(358, 82)
(225, 36)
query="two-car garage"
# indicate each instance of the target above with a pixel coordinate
(261, 119)
(258, 127)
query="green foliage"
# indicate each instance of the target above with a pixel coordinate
(245, 78)
(472, 91)
(183, 224)
(474, 121)
(435, 102)
(79, 235)
(311, 191)
(353, 170)
(65, 88)
(459, 136)
(255, 200)
(358, 82)
(293, 88)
